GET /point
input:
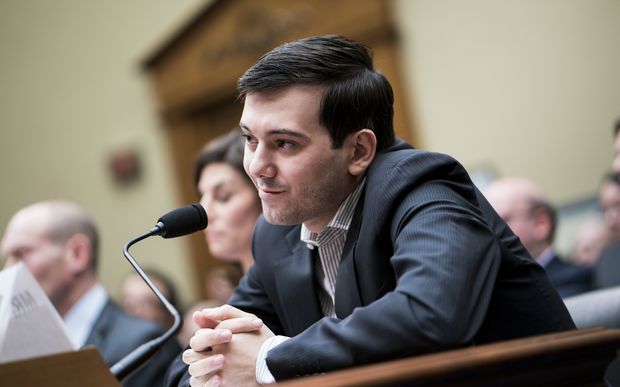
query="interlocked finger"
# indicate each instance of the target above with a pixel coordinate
(199, 381)
(224, 312)
(241, 324)
(190, 356)
(206, 366)
(203, 339)
(205, 381)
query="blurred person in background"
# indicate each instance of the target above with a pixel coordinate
(615, 165)
(220, 282)
(607, 269)
(139, 300)
(528, 213)
(609, 202)
(590, 239)
(229, 197)
(58, 242)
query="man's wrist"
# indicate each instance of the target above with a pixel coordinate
(263, 375)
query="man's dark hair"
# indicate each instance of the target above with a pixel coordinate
(356, 95)
(616, 127)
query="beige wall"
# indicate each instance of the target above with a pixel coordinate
(72, 91)
(524, 87)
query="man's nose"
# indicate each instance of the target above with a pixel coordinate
(261, 163)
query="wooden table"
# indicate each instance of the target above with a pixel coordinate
(571, 358)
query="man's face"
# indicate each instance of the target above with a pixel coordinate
(139, 300)
(518, 216)
(289, 157)
(25, 240)
(609, 198)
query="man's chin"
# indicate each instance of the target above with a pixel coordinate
(278, 219)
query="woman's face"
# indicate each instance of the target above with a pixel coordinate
(232, 207)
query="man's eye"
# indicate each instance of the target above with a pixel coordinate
(285, 144)
(249, 139)
(19, 254)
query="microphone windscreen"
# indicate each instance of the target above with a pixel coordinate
(183, 221)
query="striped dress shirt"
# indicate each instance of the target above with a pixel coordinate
(330, 245)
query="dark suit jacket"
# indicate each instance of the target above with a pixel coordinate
(568, 279)
(607, 268)
(427, 265)
(115, 334)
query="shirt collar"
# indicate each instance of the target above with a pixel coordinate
(338, 225)
(82, 316)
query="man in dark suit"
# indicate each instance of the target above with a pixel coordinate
(368, 249)
(607, 268)
(58, 242)
(528, 213)
(116, 333)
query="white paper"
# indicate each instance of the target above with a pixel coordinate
(30, 326)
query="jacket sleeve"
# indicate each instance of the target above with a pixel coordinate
(445, 260)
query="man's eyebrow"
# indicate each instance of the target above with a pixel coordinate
(288, 132)
(275, 132)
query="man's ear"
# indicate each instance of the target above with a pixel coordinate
(363, 145)
(79, 253)
(542, 224)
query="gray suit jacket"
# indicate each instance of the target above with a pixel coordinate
(115, 334)
(427, 265)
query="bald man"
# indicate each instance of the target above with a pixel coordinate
(58, 242)
(528, 213)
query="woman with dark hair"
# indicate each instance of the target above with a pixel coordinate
(229, 197)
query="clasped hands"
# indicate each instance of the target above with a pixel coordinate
(224, 350)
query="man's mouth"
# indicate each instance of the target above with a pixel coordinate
(267, 193)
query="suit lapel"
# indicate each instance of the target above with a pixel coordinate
(97, 335)
(296, 285)
(347, 295)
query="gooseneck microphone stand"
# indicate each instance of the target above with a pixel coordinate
(137, 357)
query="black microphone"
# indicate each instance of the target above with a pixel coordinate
(182, 221)
(179, 222)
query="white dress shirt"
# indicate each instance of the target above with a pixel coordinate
(82, 316)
